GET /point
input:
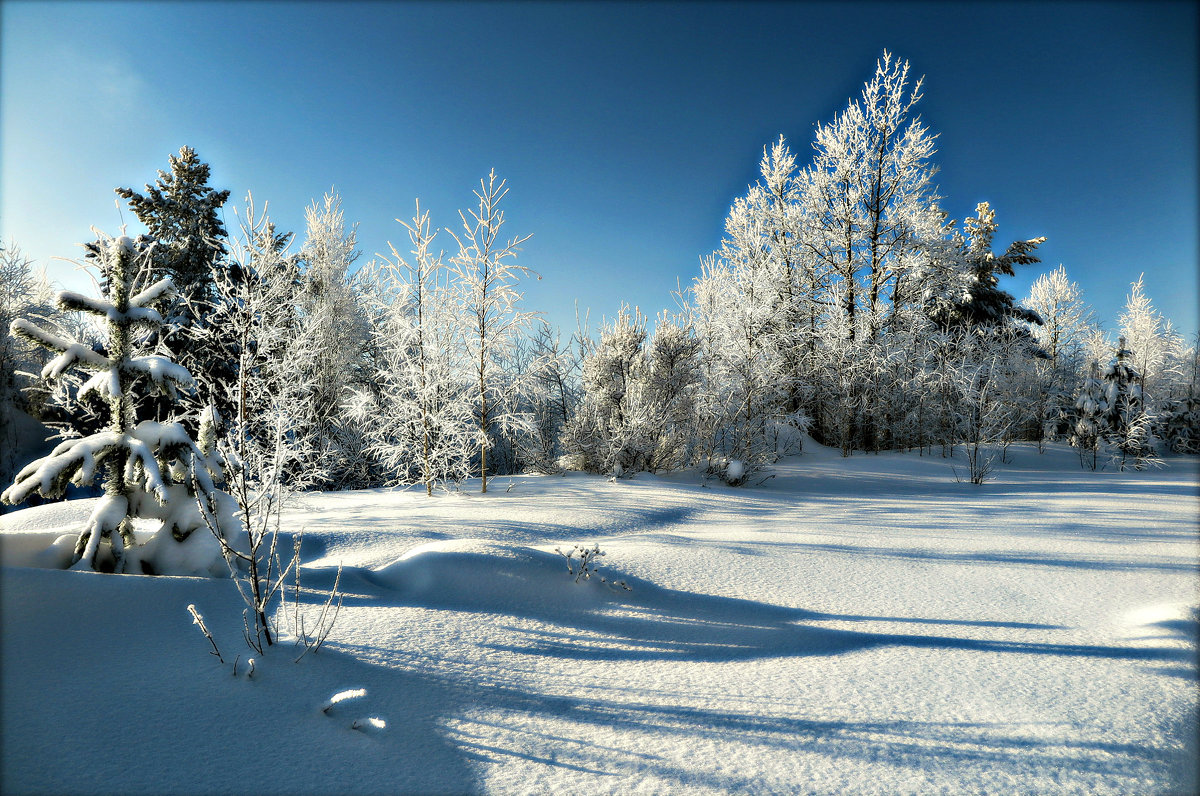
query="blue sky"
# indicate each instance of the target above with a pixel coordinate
(624, 130)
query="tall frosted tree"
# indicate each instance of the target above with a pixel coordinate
(1066, 322)
(487, 274)
(867, 192)
(1091, 408)
(1150, 339)
(334, 320)
(150, 470)
(415, 408)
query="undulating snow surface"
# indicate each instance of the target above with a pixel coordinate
(861, 625)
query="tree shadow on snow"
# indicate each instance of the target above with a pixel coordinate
(1016, 748)
(595, 621)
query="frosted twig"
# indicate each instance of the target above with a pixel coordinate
(197, 619)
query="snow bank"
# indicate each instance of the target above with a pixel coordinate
(484, 575)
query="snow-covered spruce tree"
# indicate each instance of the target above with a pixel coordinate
(151, 470)
(983, 303)
(182, 214)
(415, 410)
(1091, 407)
(1126, 420)
(486, 275)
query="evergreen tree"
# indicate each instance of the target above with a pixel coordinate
(1091, 408)
(182, 214)
(152, 470)
(1127, 426)
(982, 302)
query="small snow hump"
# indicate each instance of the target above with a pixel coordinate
(343, 696)
(369, 724)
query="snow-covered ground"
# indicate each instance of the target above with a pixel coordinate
(861, 625)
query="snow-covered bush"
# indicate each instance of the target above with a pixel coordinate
(151, 470)
(636, 414)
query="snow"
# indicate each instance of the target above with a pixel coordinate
(158, 369)
(861, 625)
(156, 292)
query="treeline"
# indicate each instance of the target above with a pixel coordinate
(843, 304)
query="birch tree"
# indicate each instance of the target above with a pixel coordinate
(416, 411)
(487, 274)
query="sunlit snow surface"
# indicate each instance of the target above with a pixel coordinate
(861, 625)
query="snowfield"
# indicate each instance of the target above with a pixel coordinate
(861, 625)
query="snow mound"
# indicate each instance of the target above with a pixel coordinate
(43, 537)
(479, 574)
(1166, 622)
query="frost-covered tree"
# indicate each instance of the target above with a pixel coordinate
(746, 383)
(667, 393)
(1178, 419)
(335, 322)
(150, 470)
(1062, 335)
(1154, 348)
(415, 409)
(261, 447)
(1065, 316)
(487, 274)
(1091, 408)
(22, 294)
(1127, 424)
(605, 435)
(549, 373)
(638, 393)
(867, 191)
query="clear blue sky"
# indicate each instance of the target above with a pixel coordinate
(624, 131)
